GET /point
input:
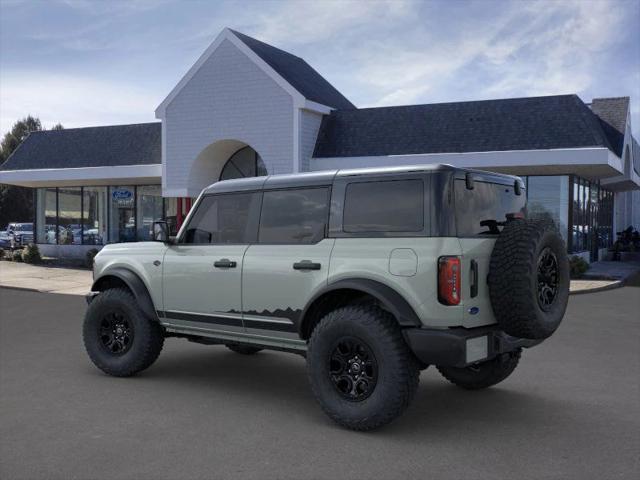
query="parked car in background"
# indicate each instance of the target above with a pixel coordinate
(18, 235)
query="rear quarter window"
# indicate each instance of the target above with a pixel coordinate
(486, 202)
(384, 206)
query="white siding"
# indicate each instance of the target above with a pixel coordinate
(229, 97)
(309, 126)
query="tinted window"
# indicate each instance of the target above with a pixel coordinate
(486, 202)
(294, 216)
(228, 218)
(388, 206)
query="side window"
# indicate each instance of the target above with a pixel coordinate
(295, 216)
(384, 206)
(226, 218)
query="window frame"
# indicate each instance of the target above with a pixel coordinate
(325, 234)
(185, 226)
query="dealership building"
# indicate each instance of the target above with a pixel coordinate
(246, 108)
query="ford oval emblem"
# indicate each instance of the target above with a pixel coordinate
(474, 310)
(121, 194)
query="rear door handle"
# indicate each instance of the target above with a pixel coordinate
(306, 265)
(224, 263)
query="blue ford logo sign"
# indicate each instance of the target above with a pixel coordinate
(121, 194)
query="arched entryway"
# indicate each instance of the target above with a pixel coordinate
(244, 163)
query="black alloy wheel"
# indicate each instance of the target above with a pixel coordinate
(353, 369)
(116, 333)
(548, 273)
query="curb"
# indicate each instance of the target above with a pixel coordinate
(612, 286)
(26, 289)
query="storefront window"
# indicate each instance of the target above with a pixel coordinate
(171, 214)
(94, 215)
(548, 197)
(149, 209)
(69, 219)
(46, 215)
(122, 219)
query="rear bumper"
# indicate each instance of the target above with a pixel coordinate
(460, 347)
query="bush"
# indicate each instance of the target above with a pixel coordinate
(16, 256)
(1, 253)
(31, 254)
(577, 266)
(90, 256)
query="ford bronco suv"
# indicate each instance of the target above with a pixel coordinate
(371, 274)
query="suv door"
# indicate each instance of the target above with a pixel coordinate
(289, 263)
(202, 271)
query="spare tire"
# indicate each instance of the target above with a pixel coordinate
(529, 278)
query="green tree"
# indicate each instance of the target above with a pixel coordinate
(16, 203)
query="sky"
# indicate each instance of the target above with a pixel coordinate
(86, 63)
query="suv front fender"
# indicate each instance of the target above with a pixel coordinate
(133, 282)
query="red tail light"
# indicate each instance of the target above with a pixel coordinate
(449, 280)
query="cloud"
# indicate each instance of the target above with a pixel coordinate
(72, 100)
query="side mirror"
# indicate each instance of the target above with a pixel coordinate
(160, 231)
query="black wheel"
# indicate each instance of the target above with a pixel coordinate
(361, 371)
(485, 374)
(118, 337)
(529, 279)
(243, 349)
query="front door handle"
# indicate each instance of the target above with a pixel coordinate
(306, 265)
(224, 263)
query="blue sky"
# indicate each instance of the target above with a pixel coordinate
(83, 63)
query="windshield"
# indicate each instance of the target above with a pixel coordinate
(21, 227)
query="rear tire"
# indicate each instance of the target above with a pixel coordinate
(361, 371)
(243, 349)
(120, 340)
(485, 374)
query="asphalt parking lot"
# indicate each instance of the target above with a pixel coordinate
(571, 410)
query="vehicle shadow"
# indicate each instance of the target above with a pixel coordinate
(273, 380)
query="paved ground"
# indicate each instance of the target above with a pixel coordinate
(45, 279)
(571, 410)
(78, 281)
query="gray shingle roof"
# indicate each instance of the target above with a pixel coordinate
(108, 146)
(298, 73)
(613, 116)
(533, 123)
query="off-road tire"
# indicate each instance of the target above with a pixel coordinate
(243, 349)
(485, 374)
(397, 369)
(146, 344)
(514, 278)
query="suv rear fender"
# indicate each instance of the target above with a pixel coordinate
(388, 298)
(133, 282)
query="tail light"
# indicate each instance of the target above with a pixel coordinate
(449, 280)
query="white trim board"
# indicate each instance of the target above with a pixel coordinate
(608, 164)
(64, 177)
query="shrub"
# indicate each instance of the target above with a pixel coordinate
(1, 253)
(90, 256)
(16, 256)
(577, 266)
(31, 254)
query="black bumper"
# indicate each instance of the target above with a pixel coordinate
(460, 347)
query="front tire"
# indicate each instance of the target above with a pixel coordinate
(120, 340)
(485, 374)
(361, 371)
